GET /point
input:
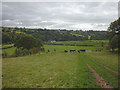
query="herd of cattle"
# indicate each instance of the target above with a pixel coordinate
(82, 50)
(75, 51)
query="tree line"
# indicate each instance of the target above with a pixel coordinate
(11, 35)
(114, 35)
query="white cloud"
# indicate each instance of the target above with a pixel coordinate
(80, 15)
(81, 26)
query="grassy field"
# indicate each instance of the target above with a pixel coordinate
(7, 45)
(105, 58)
(87, 42)
(108, 75)
(59, 69)
(9, 51)
(61, 48)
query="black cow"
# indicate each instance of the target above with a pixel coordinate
(48, 50)
(72, 50)
(83, 50)
(79, 51)
(65, 51)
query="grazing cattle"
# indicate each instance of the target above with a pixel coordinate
(83, 50)
(65, 51)
(72, 50)
(48, 50)
(79, 51)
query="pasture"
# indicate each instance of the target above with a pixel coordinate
(87, 42)
(50, 71)
(57, 69)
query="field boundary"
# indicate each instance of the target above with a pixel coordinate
(7, 47)
(69, 45)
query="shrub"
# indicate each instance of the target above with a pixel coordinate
(28, 42)
(5, 54)
(21, 52)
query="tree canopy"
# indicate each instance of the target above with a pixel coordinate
(28, 42)
(11, 35)
(114, 34)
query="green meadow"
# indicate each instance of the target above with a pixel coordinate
(87, 42)
(57, 69)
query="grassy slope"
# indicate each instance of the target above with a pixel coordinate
(87, 42)
(59, 48)
(9, 51)
(106, 58)
(109, 76)
(47, 70)
(62, 48)
(7, 45)
(58, 70)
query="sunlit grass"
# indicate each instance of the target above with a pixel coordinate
(108, 75)
(106, 58)
(58, 70)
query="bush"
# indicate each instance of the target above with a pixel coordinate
(42, 49)
(21, 52)
(28, 42)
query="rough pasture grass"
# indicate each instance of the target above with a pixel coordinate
(9, 51)
(7, 45)
(62, 48)
(58, 70)
(87, 42)
(108, 75)
(105, 58)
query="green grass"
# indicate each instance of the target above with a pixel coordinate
(106, 58)
(87, 42)
(7, 45)
(78, 35)
(58, 70)
(9, 51)
(109, 76)
(62, 48)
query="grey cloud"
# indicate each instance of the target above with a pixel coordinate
(119, 9)
(59, 15)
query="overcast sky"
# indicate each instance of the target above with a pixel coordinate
(51, 15)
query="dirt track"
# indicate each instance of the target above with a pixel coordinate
(99, 80)
(106, 67)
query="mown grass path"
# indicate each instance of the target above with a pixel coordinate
(109, 76)
(105, 58)
(99, 80)
(116, 72)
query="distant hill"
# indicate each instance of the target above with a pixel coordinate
(10, 35)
